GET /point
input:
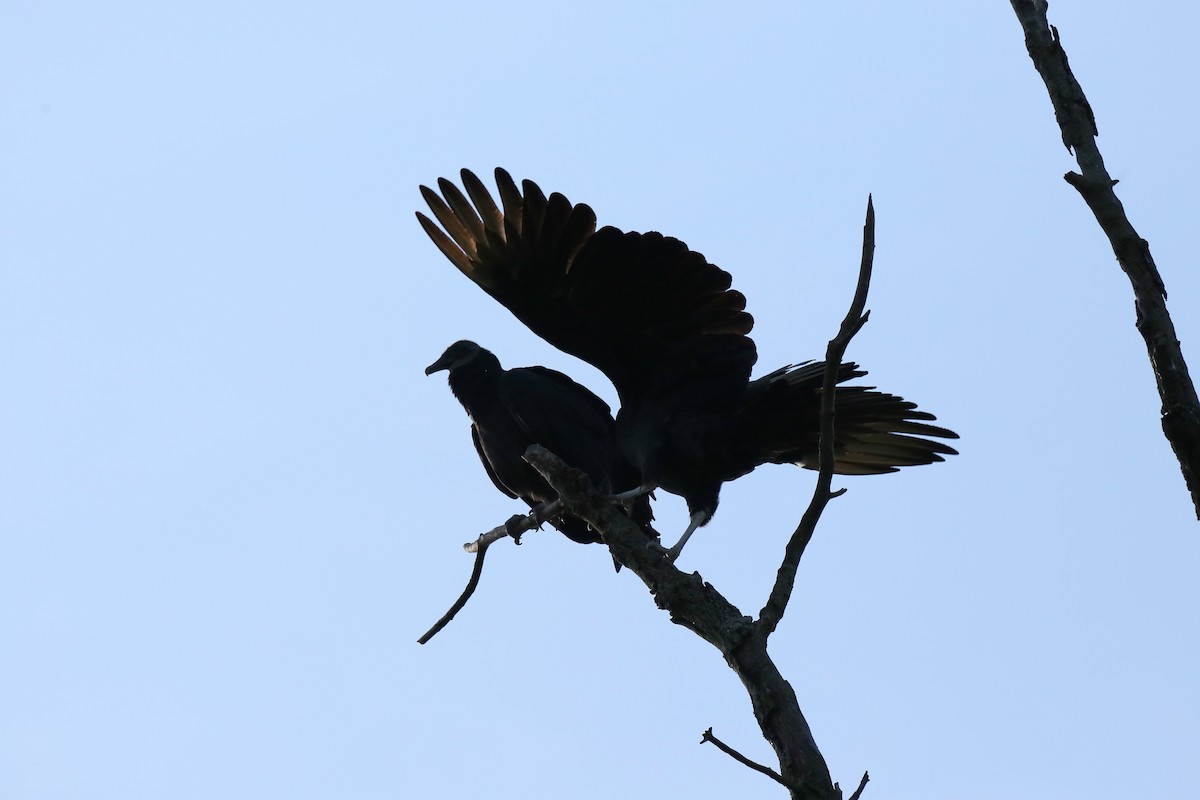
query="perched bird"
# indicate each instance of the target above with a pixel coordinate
(511, 409)
(666, 328)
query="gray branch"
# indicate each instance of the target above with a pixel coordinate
(708, 738)
(461, 602)
(1180, 406)
(515, 526)
(700, 608)
(856, 317)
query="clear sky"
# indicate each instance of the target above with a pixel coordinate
(230, 501)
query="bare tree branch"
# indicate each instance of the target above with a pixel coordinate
(514, 527)
(477, 571)
(700, 608)
(707, 736)
(1180, 406)
(862, 784)
(856, 317)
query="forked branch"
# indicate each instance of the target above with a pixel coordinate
(699, 607)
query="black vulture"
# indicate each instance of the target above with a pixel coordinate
(515, 408)
(666, 328)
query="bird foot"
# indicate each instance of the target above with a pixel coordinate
(537, 516)
(516, 525)
(542, 513)
(670, 553)
(625, 499)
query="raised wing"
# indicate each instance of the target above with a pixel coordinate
(645, 310)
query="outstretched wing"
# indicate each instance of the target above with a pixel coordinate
(645, 310)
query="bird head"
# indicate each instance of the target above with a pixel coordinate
(458, 354)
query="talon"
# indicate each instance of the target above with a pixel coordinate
(699, 518)
(656, 547)
(539, 515)
(515, 526)
(625, 499)
(669, 553)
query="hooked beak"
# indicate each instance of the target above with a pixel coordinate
(439, 365)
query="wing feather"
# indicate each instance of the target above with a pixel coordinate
(487, 464)
(462, 209)
(493, 217)
(643, 308)
(449, 248)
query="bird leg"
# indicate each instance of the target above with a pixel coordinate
(625, 499)
(543, 512)
(698, 519)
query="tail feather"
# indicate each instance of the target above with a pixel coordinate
(874, 432)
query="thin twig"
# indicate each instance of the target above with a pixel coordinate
(861, 785)
(514, 527)
(463, 598)
(856, 317)
(1180, 405)
(724, 748)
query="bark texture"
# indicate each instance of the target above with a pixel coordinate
(1180, 406)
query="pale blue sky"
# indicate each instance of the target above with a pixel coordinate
(230, 500)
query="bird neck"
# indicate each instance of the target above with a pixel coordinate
(474, 383)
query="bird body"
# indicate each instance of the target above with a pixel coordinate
(510, 410)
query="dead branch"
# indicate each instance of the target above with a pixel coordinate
(514, 527)
(702, 609)
(707, 736)
(856, 317)
(1180, 406)
(862, 784)
(699, 607)
(476, 572)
